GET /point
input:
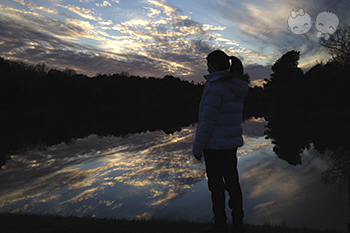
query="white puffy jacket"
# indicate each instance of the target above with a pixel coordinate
(220, 113)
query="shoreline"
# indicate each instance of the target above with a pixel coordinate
(18, 222)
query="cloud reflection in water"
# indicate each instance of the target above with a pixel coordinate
(150, 167)
(276, 192)
(154, 175)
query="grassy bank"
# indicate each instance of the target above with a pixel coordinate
(18, 223)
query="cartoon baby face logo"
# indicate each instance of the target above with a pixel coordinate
(326, 24)
(299, 22)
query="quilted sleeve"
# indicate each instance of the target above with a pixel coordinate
(208, 117)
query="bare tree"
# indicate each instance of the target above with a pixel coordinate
(339, 45)
(339, 172)
(41, 69)
(70, 72)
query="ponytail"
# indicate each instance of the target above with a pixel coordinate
(236, 69)
(236, 65)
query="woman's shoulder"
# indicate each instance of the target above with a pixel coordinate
(217, 86)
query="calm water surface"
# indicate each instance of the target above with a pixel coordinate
(153, 174)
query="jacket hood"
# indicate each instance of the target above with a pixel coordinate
(235, 82)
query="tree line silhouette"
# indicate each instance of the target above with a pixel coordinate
(33, 87)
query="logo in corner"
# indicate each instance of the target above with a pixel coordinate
(326, 23)
(299, 22)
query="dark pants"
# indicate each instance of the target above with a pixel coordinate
(221, 167)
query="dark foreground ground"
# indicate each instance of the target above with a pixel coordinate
(10, 223)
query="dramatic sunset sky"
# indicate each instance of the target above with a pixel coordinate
(158, 37)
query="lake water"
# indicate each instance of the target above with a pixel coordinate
(153, 175)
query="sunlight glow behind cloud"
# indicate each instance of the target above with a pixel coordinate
(154, 37)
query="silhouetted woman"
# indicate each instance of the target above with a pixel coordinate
(219, 134)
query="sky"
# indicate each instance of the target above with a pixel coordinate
(154, 38)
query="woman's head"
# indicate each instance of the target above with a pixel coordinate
(218, 60)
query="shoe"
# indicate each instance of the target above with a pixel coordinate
(237, 225)
(237, 228)
(219, 228)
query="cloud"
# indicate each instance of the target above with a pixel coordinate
(160, 40)
(85, 13)
(258, 73)
(104, 4)
(170, 39)
(32, 6)
(166, 44)
(152, 12)
(264, 28)
(163, 5)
